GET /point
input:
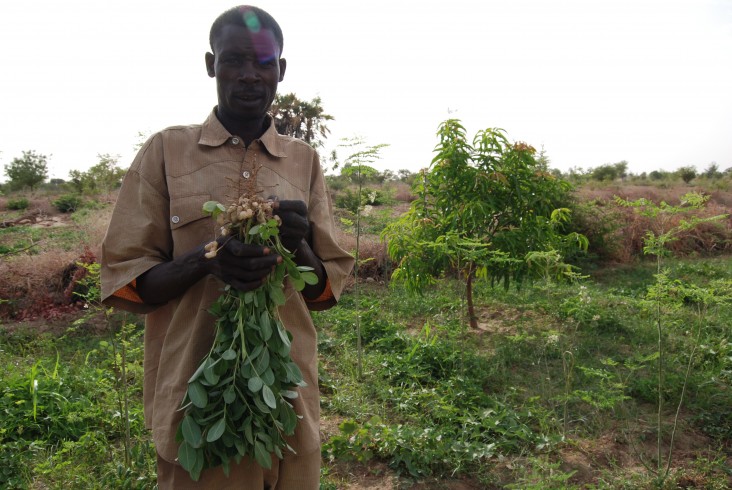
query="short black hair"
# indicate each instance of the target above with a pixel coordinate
(253, 18)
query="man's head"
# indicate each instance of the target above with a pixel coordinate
(247, 16)
(245, 58)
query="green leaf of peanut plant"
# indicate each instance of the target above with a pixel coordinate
(309, 277)
(235, 402)
(187, 455)
(216, 430)
(191, 432)
(213, 208)
(197, 394)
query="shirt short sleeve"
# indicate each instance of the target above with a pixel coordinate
(138, 237)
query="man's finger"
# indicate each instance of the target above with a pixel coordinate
(239, 249)
(294, 205)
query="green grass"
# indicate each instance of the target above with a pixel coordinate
(557, 363)
(33, 240)
(62, 411)
(555, 370)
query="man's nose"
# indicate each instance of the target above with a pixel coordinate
(248, 73)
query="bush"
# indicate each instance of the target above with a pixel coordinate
(349, 199)
(68, 203)
(17, 204)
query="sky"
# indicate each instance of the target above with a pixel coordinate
(591, 82)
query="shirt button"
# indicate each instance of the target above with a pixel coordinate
(175, 219)
(235, 141)
(245, 174)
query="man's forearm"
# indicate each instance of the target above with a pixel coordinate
(169, 280)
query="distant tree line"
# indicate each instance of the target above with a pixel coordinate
(307, 120)
(618, 172)
(30, 171)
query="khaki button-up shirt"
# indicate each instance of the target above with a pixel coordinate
(158, 217)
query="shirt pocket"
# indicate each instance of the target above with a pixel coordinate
(189, 226)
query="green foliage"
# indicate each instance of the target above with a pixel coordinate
(30, 170)
(487, 408)
(68, 203)
(600, 224)
(665, 299)
(63, 419)
(480, 210)
(687, 174)
(426, 450)
(238, 400)
(14, 458)
(483, 205)
(359, 173)
(101, 178)
(350, 200)
(610, 172)
(463, 427)
(18, 204)
(541, 474)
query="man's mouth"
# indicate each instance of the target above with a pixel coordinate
(248, 96)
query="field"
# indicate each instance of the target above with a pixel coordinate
(619, 380)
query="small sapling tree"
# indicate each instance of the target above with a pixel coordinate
(356, 168)
(666, 297)
(480, 209)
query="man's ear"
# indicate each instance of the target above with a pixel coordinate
(210, 59)
(283, 66)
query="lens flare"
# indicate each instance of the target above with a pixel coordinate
(252, 21)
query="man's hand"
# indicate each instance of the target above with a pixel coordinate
(243, 266)
(295, 226)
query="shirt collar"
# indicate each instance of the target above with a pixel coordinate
(213, 133)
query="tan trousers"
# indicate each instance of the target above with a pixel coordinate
(295, 472)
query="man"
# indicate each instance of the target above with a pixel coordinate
(153, 256)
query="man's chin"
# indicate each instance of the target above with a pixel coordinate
(244, 113)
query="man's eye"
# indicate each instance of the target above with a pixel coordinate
(231, 61)
(266, 60)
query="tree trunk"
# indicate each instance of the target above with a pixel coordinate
(469, 297)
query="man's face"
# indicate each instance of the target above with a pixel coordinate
(247, 68)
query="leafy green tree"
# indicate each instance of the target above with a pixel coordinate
(482, 210)
(102, 178)
(687, 174)
(542, 160)
(27, 171)
(712, 171)
(610, 171)
(388, 176)
(405, 175)
(622, 169)
(657, 175)
(301, 119)
(359, 173)
(604, 173)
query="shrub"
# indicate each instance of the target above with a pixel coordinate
(68, 203)
(348, 199)
(17, 204)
